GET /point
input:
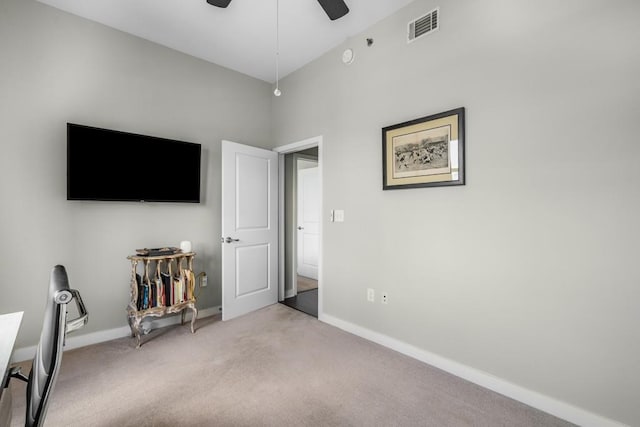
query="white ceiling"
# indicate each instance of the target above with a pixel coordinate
(241, 37)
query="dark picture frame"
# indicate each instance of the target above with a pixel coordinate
(425, 152)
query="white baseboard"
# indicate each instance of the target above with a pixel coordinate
(532, 398)
(27, 353)
(290, 294)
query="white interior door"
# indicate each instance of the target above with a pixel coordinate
(308, 201)
(249, 229)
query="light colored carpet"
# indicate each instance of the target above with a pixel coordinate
(273, 367)
(306, 284)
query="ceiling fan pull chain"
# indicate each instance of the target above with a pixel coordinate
(277, 91)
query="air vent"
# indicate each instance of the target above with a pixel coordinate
(426, 24)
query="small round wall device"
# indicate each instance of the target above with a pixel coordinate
(347, 56)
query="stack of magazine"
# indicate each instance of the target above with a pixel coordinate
(157, 251)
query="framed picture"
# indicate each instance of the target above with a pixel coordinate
(425, 152)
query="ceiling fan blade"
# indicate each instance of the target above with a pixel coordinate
(219, 3)
(334, 8)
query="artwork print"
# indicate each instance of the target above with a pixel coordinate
(422, 153)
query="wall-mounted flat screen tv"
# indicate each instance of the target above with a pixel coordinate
(111, 165)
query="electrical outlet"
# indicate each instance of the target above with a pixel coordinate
(203, 281)
(384, 298)
(371, 295)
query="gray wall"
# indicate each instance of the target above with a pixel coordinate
(529, 272)
(55, 68)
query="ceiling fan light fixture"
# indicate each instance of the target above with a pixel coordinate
(334, 9)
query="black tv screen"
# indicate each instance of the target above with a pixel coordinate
(111, 165)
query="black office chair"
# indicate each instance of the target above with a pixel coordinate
(46, 363)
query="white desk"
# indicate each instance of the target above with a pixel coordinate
(9, 325)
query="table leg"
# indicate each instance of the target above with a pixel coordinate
(194, 316)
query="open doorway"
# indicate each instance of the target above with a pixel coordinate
(301, 207)
(302, 224)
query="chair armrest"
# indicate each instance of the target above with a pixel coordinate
(83, 316)
(17, 373)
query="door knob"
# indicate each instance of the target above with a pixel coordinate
(300, 228)
(229, 240)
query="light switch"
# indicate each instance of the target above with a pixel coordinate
(339, 216)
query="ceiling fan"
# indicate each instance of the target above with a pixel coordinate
(334, 8)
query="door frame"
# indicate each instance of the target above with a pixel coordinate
(293, 147)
